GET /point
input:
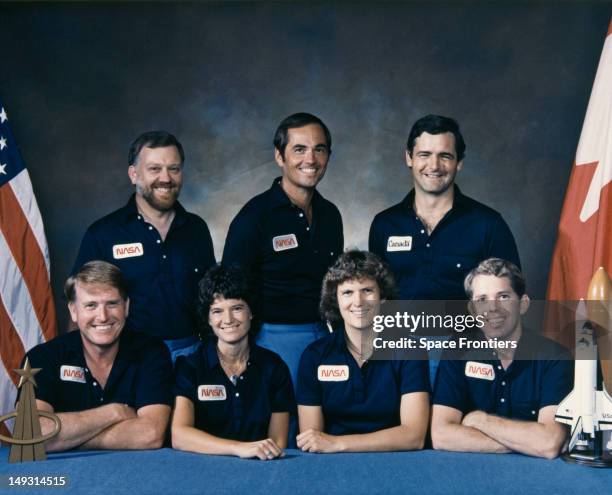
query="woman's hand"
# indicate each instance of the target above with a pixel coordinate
(316, 441)
(262, 449)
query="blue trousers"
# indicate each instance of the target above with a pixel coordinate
(289, 341)
(182, 347)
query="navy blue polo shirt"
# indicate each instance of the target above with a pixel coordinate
(141, 374)
(353, 399)
(162, 276)
(238, 412)
(518, 392)
(285, 257)
(433, 267)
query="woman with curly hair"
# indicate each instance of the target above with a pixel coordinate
(232, 396)
(347, 402)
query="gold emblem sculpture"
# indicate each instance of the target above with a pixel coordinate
(27, 443)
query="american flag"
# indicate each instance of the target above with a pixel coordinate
(27, 312)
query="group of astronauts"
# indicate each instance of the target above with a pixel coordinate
(145, 285)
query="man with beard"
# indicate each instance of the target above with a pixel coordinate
(502, 397)
(162, 250)
(436, 235)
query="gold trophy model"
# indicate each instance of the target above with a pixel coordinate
(27, 443)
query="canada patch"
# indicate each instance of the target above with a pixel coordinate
(399, 243)
(483, 371)
(333, 373)
(211, 392)
(284, 242)
(127, 250)
(72, 373)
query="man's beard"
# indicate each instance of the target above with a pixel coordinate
(148, 194)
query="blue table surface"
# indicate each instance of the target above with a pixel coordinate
(167, 471)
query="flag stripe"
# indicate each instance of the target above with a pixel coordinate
(11, 348)
(8, 392)
(16, 300)
(22, 188)
(29, 259)
(27, 311)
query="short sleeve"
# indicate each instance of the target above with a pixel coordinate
(373, 240)
(46, 378)
(241, 241)
(282, 398)
(185, 379)
(154, 377)
(308, 388)
(414, 376)
(502, 244)
(88, 251)
(340, 245)
(557, 382)
(450, 388)
(208, 250)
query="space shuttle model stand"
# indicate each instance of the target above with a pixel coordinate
(586, 409)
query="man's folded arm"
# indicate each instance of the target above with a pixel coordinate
(542, 438)
(145, 430)
(79, 427)
(448, 433)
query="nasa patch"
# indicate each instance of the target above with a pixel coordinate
(72, 374)
(121, 251)
(333, 373)
(211, 392)
(284, 242)
(483, 371)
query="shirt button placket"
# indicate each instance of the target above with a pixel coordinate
(301, 215)
(504, 401)
(428, 258)
(162, 250)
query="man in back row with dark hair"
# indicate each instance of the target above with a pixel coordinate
(287, 237)
(161, 249)
(436, 235)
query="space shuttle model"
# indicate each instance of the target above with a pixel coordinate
(587, 410)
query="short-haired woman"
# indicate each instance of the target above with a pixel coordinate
(232, 396)
(347, 402)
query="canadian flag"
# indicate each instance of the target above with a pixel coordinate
(584, 240)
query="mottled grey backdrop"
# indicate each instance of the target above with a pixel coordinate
(80, 81)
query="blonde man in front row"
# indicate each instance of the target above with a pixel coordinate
(504, 399)
(111, 387)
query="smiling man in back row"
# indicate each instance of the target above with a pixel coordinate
(505, 399)
(161, 249)
(286, 238)
(436, 234)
